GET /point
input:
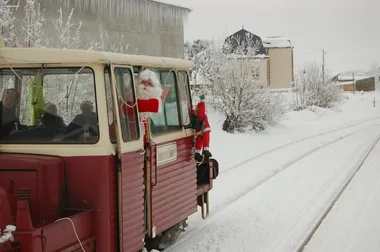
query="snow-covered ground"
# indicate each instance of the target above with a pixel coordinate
(275, 185)
(353, 224)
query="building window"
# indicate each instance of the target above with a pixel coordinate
(168, 119)
(256, 74)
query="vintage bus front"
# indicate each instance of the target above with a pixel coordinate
(74, 174)
(58, 181)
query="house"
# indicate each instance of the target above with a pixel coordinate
(273, 56)
(376, 73)
(355, 82)
(149, 27)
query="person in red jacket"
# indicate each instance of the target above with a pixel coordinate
(202, 140)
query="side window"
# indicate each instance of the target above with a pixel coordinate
(127, 104)
(168, 120)
(183, 85)
(50, 105)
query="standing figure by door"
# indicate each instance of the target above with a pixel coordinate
(150, 100)
(202, 140)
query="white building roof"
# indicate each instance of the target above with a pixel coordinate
(276, 42)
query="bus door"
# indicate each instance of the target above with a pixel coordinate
(131, 160)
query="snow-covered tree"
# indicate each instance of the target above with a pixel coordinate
(34, 25)
(236, 91)
(68, 35)
(191, 49)
(7, 19)
(312, 90)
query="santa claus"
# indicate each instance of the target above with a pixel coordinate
(202, 140)
(150, 97)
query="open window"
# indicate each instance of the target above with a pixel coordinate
(126, 100)
(127, 104)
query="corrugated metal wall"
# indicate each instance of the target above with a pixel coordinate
(148, 27)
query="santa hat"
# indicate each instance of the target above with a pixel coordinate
(149, 75)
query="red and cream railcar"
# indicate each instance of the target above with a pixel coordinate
(94, 188)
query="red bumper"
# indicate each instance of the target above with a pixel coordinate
(73, 233)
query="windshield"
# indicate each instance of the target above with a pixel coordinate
(48, 105)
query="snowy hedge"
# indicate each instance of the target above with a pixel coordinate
(313, 89)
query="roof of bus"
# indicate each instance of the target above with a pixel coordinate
(49, 55)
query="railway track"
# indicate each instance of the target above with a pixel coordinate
(338, 194)
(274, 173)
(283, 146)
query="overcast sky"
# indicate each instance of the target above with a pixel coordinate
(349, 30)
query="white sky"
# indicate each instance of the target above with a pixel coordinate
(349, 30)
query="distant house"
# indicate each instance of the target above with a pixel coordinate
(356, 82)
(150, 27)
(376, 73)
(274, 57)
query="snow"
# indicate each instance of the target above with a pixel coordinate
(274, 185)
(276, 42)
(6, 234)
(355, 213)
(349, 77)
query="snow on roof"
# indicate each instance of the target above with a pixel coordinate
(343, 83)
(171, 4)
(276, 42)
(348, 77)
(261, 56)
(239, 56)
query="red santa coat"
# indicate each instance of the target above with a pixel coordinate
(149, 105)
(203, 137)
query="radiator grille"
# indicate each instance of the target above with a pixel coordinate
(24, 194)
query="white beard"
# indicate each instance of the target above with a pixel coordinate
(146, 93)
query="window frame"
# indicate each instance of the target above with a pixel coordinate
(188, 91)
(18, 85)
(116, 108)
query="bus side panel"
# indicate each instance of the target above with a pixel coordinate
(132, 197)
(174, 197)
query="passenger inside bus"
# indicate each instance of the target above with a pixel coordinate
(87, 120)
(8, 119)
(51, 119)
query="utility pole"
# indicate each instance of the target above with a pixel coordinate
(323, 65)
